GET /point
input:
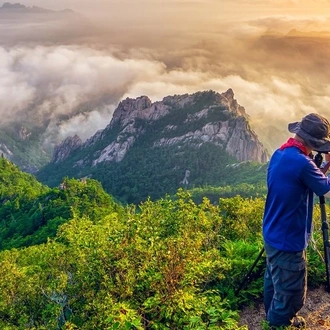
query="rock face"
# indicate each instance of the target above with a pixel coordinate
(63, 150)
(4, 150)
(196, 119)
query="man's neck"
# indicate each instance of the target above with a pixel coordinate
(308, 148)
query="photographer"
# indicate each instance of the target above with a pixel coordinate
(292, 180)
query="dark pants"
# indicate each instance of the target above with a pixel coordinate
(285, 285)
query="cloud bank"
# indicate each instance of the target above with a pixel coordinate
(277, 67)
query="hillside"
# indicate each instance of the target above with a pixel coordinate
(150, 149)
(16, 185)
(31, 213)
(169, 264)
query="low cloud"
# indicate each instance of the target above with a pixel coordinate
(74, 88)
(276, 66)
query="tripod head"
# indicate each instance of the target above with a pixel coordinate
(318, 159)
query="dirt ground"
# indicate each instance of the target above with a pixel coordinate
(316, 312)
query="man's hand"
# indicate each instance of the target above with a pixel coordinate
(324, 169)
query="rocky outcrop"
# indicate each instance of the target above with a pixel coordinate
(23, 133)
(63, 150)
(115, 151)
(190, 119)
(243, 142)
(236, 137)
(238, 140)
(227, 99)
(4, 150)
(125, 117)
(130, 109)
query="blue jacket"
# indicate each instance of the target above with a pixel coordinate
(292, 179)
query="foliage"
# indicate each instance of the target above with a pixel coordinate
(158, 266)
(213, 193)
(165, 264)
(15, 184)
(30, 213)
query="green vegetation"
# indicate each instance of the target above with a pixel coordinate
(172, 263)
(30, 213)
(140, 175)
(214, 193)
(16, 185)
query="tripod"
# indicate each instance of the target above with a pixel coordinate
(325, 233)
(325, 227)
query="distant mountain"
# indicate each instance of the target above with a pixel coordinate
(308, 34)
(22, 24)
(16, 8)
(11, 6)
(150, 149)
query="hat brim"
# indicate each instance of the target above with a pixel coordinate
(321, 145)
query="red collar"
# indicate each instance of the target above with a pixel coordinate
(294, 143)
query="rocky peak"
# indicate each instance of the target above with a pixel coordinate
(64, 149)
(195, 119)
(229, 95)
(142, 107)
(235, 136)
(129, 108)
(227, 99)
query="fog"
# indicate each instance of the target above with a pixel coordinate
(72, 73)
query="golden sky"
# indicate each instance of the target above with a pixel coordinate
(233, 8)
(274, 54)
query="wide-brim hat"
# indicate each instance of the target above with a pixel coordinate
(314, 130)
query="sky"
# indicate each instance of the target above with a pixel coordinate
(274, 55)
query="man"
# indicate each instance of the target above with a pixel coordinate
(292, 180)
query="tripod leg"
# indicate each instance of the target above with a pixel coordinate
(326, 243)
(247, 276)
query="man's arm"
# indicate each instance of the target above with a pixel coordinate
(325, 169)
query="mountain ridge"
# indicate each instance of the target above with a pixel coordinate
(204, 133)
(131, 110)
(22, 9)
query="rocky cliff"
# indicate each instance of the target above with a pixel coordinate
(63, 150)
(219, 119)
(152, 148)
